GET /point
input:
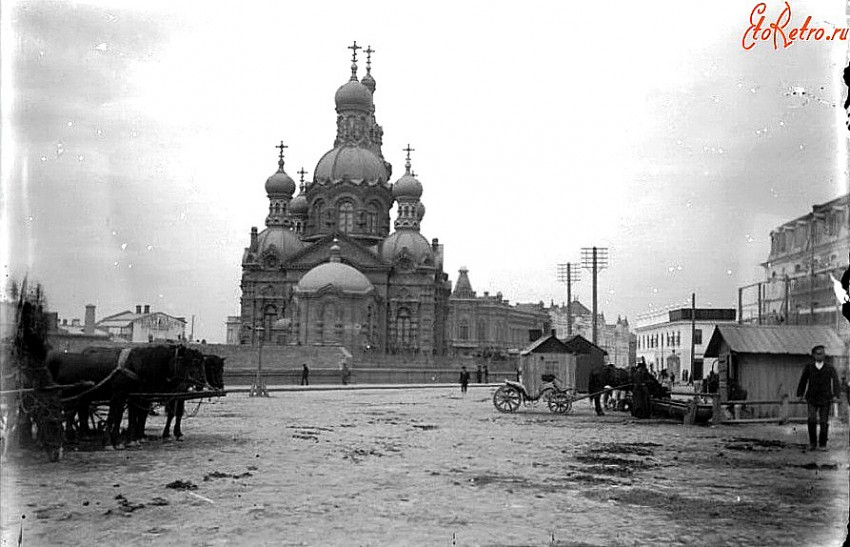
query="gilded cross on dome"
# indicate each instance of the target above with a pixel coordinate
(369, 51)
(302, 172)
(407, 162)
(354, 49)
(280, 147)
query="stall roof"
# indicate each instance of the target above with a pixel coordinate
(546, 344)
(784, 340)
(581, 345)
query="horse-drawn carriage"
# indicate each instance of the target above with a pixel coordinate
(548, 377)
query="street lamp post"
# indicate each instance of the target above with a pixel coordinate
(258, 388)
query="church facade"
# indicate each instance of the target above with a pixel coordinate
(331, 267)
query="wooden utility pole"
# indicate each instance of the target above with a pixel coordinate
(594, 259)
(569, 273)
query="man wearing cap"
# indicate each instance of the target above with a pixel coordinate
(819, 384)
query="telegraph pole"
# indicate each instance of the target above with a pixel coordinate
(569, 273)
(594, 259)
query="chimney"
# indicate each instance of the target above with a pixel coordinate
(147, 308)
(138, 309)
(88, 328)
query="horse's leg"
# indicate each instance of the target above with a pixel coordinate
(113, 423)
(181, 407)
(169, 411)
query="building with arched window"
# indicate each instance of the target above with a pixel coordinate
(327, 269)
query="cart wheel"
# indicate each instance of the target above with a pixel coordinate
(560, 403)
(506, 399)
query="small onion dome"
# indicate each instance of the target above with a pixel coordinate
(298, 206)
(413, 241)
(407, 187)
(281, 240)
(369, 82)
(353, 96)
(280, 183)
(420, 210)
(352, 162)
(336, 274)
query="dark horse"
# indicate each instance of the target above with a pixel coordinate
(637, 380)
(119, 373)
(214, 368)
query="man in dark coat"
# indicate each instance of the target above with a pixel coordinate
(464, 379)
(845, 284)
(596, 383)
(305, 375)
(641, 404)
(819, 384)
(479, 374)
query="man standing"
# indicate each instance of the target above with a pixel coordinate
(819, 383)
(464, 379)
(305, 375)
(479, 374)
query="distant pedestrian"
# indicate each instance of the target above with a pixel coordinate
(819, 384)
(464, 379)
(479, 374)
(486, 374)
(345, 372)
(305, 375)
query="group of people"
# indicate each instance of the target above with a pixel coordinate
(344, 372)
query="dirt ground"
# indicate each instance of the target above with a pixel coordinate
(429, 467)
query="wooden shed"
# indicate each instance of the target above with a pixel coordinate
(547, 356)
(767, 361)
(588, 355)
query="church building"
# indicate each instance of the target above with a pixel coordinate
(331, 267)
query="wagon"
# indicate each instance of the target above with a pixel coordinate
(547, 374)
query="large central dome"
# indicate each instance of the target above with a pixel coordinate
(353, 163)
(342, 276)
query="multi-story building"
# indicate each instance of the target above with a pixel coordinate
(805, 254)
(143, 325)
(490, 324)
(615, 338)
(664, 339)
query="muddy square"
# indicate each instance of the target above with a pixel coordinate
(432, 467)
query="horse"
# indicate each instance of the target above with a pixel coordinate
(118, 373)
(214, 368)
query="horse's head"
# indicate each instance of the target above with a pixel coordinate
(214, 368)
(188, 367)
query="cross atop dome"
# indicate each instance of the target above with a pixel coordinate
(354, 47)
(302, 172)
(280, 147)
(369, 51)
(407, 161)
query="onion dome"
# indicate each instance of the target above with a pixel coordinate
(353, 96)
(298, 206)
(337, 275)
(280, 241)
(280, 183)
(353, 163)
(410, 242)
(407, 187)
(368, 80)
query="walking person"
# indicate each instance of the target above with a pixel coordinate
(305, 375)
(478, 374)
(464, 379)
(819, 384)
(345, 372)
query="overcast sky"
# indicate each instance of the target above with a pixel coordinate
(137, 140)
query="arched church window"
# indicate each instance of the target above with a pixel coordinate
(463, 329)
(403, 326)
(346, 217)
(269, 317)
(372, 218)
(318, 210)
(482, 330)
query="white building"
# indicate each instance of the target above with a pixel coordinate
(143, 326)
(664, 336)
